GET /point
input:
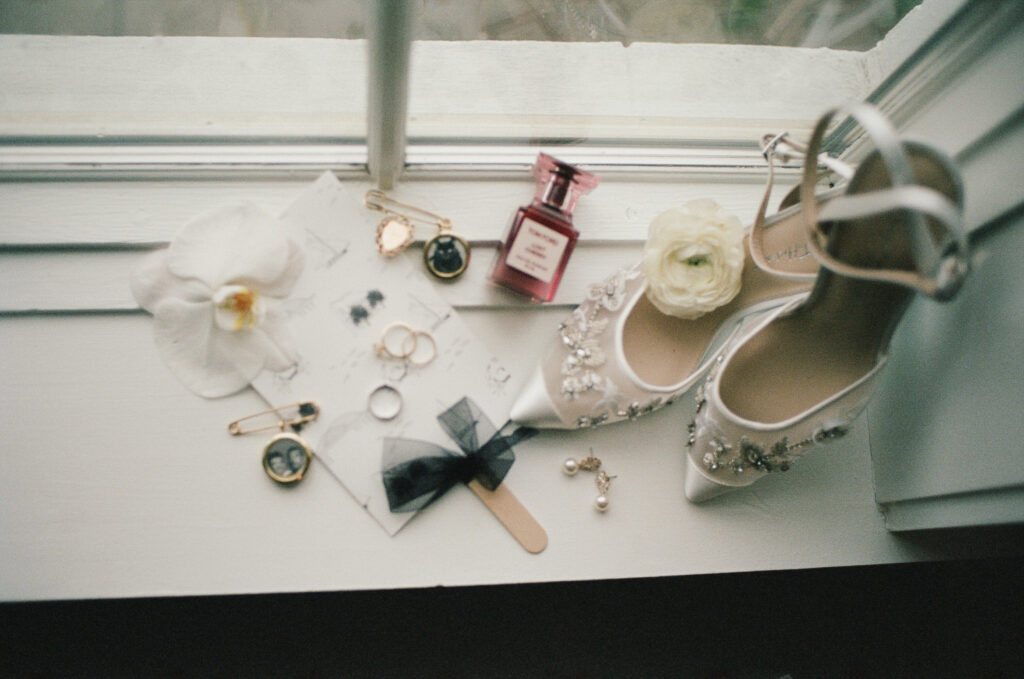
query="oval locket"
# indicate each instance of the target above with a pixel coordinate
(446, 255)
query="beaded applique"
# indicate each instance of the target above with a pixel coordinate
(581, 336)
(778, 457)
(745, 453)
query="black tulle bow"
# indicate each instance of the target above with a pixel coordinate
(418, 472)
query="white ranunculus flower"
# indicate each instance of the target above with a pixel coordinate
(693, 259)
(216, 296)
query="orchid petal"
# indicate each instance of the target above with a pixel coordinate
(151, 281)
(249, 351)
(233, 244)
(279, 350)
(282, 285)
(199, 354)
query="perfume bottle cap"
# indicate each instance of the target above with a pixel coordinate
(560, 185)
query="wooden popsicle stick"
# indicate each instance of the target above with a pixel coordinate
(513, 515)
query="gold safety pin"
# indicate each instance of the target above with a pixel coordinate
(376, 199)
(307, 412)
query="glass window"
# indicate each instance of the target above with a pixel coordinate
(663, 72)
(343, 19)
(841, 24)
(234, 71)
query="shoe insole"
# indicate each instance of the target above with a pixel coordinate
(664, 350)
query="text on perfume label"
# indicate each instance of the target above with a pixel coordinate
(537, 251)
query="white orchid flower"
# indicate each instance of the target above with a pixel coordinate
(216, 295)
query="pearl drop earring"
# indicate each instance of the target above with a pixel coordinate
(591, 464)
(604, 482)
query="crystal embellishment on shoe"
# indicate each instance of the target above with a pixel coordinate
(746, 460)
(775, 457)
(594, 387)
(610, 294)
(581, 337)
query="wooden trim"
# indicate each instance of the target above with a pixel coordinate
(989, 508)
(944, 58)
(244, 88)
(390, 45)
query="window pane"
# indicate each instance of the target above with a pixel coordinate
(236, 70)
(842, 24)
(621, 71)
(226, 18)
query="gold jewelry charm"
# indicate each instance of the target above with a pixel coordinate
(287, 456)
(394, 235)
(445, 255)
(591, 464)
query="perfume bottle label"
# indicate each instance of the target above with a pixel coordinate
(537, 251)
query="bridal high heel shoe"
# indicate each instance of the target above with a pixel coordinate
(618, 357)
(799, 376)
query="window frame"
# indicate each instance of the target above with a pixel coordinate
(479, 143)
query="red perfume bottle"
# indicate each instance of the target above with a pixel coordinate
(541, 236)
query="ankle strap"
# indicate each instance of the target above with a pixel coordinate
(785, 146)
(941, 267)
(781, 144)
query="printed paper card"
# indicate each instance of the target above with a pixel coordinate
(346, 297)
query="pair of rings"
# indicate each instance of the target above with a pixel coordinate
(403, 342)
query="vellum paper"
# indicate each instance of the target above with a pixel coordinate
(338, 310)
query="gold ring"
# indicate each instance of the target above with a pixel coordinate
(433, 349)
(405, 339)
